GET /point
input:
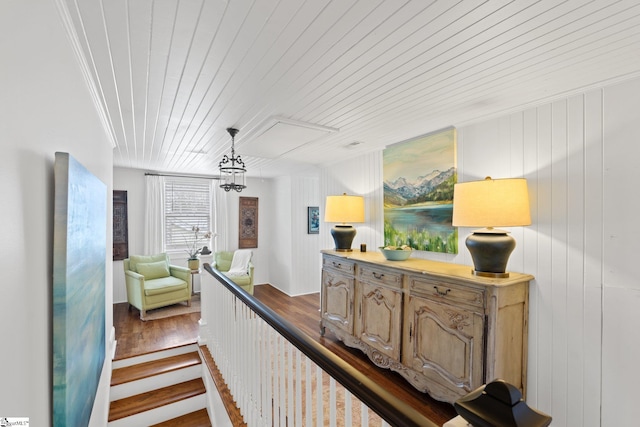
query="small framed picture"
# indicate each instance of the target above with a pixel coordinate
(313, 220)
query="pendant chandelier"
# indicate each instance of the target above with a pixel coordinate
(232, 168)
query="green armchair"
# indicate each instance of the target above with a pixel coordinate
(152, 282)
(223, 260)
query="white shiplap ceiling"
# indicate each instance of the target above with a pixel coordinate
(169, 76)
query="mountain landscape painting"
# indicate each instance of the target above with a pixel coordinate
(419, 175)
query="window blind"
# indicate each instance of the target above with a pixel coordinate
(187, 205)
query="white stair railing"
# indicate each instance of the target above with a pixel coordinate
(278, 376)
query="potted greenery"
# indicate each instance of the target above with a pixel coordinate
(194, 249)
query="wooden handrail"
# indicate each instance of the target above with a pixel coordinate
(389, 407)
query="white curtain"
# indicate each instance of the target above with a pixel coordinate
(220, 218)
(154, 214)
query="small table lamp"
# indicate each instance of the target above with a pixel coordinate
(344, 209)
(491, 203)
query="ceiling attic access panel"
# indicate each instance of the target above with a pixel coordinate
(279, 136)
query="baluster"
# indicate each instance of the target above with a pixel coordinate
(237, 346)
(262, 368)
(332, 402)
(222, 340)
(290, 401)
(276, 380)
(347, 408)
(282, 356)
(233, 361)
(254, 342)
(254, 371)
(241, 367)
(230, 345)
(319, 400)
(364, 414)
(269, 376)
(250, 361)
(308, 394)
(250, 368)
(298, 379)
(259, 337)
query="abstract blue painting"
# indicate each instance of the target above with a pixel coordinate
(79, 266)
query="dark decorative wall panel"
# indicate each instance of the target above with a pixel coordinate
(120, 226)
(248, 229)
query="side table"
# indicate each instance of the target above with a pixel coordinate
(193, 283)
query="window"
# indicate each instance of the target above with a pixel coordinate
(187, 204)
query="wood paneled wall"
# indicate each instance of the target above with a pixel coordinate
(305, 273)
(361, 176)
(620, 236)
(579, 156)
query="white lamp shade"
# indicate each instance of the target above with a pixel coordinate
(491, 203)
(344, 209)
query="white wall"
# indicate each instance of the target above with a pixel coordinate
(360, 176)
(621, 294)
(296, 254)
(281, 253)
(305, 274)
(579, 156)
(44, 107)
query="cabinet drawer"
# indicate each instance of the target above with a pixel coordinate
(340, 264)
(446, 292)
(379, 275)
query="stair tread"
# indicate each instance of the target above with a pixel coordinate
(194, 419)
(154, 367)
(155, 398)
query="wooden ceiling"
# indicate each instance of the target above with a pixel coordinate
(331, 79)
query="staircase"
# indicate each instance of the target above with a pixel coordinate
(159, 389)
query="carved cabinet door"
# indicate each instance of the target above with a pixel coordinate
(444, 343)
(379, 318)
(337, 299)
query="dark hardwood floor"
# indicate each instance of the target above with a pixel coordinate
(136, 337)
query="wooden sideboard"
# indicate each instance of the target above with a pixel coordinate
(445, 330)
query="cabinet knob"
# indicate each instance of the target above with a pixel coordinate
(378, 276)
(439, 292)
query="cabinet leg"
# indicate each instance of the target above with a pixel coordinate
(322, 329)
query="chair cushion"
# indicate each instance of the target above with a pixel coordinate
(134, 260)
(223, 260)
(153, 270)
(240, 280)
(163, 285)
